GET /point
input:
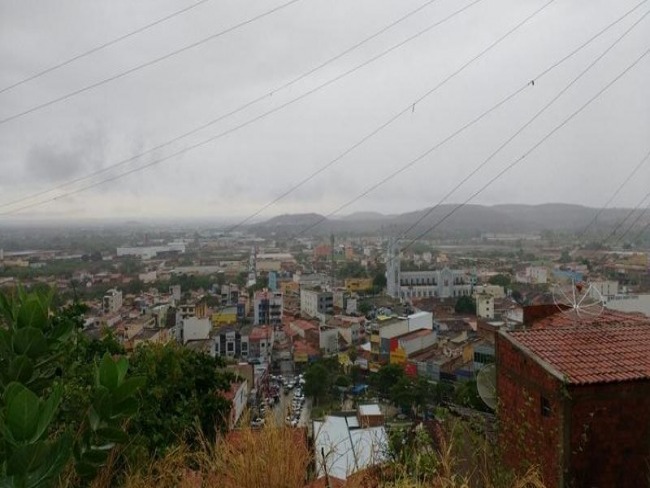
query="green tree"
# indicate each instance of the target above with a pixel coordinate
(402, 394)
(184, 393)
(465, 304)
(364, 307)
(379, 281)
(317, 381)
(500, 280)
(387, 376)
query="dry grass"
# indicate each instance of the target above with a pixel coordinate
(279, 457)
(272, 457)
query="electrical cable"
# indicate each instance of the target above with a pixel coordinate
(226, 115)
(532, 149)
(614, 195)
(527, 124)
(103, 46)
(494, 153)
(146, 64)
(254, 119)
(622, 221)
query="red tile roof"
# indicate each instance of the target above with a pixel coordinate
(304, 325)
(259, 333)
(569, 318)
(594, 354)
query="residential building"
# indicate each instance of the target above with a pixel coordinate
(315, 303)
(267, 307)
(112, 301)
(387, 328)
(534, 275)
(574, 400)
(194, 328)
(260, 342)
(485, 306)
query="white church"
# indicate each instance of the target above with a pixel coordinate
(442, 283)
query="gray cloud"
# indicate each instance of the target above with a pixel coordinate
(55, 162)
(244, 170)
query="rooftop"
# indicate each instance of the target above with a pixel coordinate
(596, 354)
(304, 325)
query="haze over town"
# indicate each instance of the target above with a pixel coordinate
(316, 244)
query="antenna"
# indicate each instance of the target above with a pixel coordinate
(486, 384)
(581, 299)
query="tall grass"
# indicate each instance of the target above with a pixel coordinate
(279, 457)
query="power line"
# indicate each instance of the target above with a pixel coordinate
(622, 221)
(532, 149)
(254, 119)
(148, 63)
(469, 124)
(638, 235)
(103, 46)
(614, 195)
(528, 123)
(392, 119)
(228, 114)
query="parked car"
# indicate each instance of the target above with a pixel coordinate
(258, 422)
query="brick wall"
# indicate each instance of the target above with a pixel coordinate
(530, 430)
(610, 434)
(582, 436)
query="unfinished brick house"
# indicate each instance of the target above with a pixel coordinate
(575, 401)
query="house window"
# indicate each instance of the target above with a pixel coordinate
(545, 407)
(230, 347)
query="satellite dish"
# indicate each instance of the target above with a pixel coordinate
(486, 383)
(580, 299)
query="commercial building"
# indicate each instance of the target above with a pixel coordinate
(231, 343)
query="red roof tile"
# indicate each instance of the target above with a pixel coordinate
(605, 317)
(594, 354)
(304, 325)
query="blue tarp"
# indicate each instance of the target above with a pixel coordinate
(358, 389)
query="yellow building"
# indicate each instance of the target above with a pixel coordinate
(289, 287)
(226, 316)
(398, 356)
(358, 284)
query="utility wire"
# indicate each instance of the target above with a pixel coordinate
(146, 64)
(103, 46)
(226, 115)
(469, 124)
(532, 149)
(250, 121)
(614, 195)
(634, 222)
(625, 219)
(641, 232)
(392, 119)
(528, 123)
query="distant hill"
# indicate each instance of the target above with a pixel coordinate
(470, 220)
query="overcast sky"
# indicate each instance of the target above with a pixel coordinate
(237, 174)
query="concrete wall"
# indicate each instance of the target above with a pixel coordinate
(196, 329)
